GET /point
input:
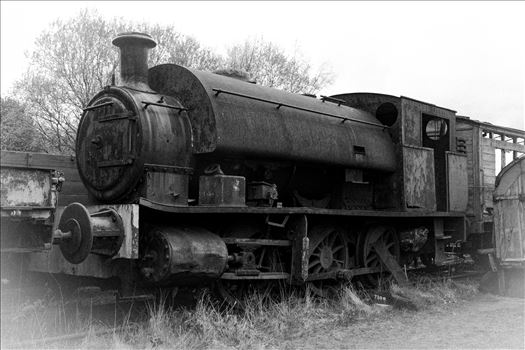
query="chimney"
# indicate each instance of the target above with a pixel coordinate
(134, 58)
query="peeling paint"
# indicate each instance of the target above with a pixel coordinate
(420, 189)
(25, 187)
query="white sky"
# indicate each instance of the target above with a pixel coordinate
(466, 56)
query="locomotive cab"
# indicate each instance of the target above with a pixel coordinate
(432, 173)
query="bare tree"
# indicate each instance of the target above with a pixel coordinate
(174, 47)
(74, 59)
(71, 62)
(18, 128)
(271, 66)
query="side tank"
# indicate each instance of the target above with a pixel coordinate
(239, 119)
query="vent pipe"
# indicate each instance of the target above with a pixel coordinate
(134, 49)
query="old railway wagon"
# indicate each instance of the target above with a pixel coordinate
(197, 178)
(489, 149)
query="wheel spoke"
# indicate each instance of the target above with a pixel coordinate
(333, 237)
(336, 249)
(368, 254)
(370, 259)
(313, 263)
(332, 249)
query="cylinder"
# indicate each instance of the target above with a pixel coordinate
(183, 255)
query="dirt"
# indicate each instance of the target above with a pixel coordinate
(486, 322)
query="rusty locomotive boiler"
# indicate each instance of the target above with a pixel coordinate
(202, 178)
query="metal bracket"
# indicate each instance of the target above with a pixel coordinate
(276, 224)
(300, 248)
(168, 169)
(332, 99)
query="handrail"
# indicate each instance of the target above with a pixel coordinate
(180, 109)
(87, 109)
(280, 104)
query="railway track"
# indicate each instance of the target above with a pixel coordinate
(68, 337)
(106, 308)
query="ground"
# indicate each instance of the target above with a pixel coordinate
(485, 322)
(450, 315)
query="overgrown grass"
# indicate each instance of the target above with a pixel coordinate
(265, 322)
(427, 293)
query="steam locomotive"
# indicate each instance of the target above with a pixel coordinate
(199, 178)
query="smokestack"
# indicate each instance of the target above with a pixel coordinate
(134, 58)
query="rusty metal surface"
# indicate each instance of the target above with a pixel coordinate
(28, 199)
(509, 213)
(181, 255)
(419, 178)
(235, 125)
(76, 233)
(124, 128)
(27, 202)
(82, 233)
(296, 210)
(222, 190)
(457, 181)
(94, 265)
(26, 188)
(300, 247)
(412, 111)
(72, 190)
(116, 141)
(167, 188)
(134, 58)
